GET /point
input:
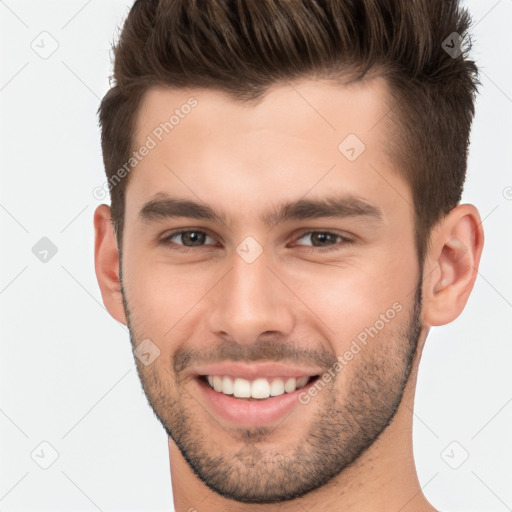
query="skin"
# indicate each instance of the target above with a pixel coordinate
(350, 447)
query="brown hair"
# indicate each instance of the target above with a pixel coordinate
(242, 47)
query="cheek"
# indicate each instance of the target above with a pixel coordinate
(363, 295)
(160, 296)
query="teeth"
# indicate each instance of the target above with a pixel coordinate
(302, 382)
(227, 386)
(241, 388)
(217, 383)
(277, 387)
(290, 385)
(260, 388)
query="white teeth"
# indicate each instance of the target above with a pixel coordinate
(241, 388)
(217, 383)
(227, 386)
(277, 387)
(260, 388)
(289, 385)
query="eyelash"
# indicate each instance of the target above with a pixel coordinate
(176, 247)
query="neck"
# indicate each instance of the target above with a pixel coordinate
(383, 478)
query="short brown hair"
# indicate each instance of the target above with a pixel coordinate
(242, 47)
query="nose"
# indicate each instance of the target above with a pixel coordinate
(251, 300)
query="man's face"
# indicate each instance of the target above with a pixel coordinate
(243, 298)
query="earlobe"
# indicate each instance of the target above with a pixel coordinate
(106, 262)
(452, 265)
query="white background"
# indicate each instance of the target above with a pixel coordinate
(67, 375)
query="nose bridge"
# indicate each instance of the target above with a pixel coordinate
(250, 299)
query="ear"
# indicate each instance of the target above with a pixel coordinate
(106, 263)
(451, 265)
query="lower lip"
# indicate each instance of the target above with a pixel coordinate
(251, 413)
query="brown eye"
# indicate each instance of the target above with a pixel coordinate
(323, 241)
(188, 238)
(192, 237)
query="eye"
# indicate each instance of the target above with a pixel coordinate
(325, 237)
(189, 238)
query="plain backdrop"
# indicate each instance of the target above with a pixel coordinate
(70, 398)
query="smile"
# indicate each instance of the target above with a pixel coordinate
(260, 388)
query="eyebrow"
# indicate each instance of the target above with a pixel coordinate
(164, 206)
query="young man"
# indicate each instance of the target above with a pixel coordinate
(284, 230)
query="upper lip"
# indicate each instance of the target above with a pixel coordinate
(254, 370)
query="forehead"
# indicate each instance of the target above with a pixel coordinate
(206, 144)
(294, 108)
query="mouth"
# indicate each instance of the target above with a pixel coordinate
(253, 402)
(261, 388)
